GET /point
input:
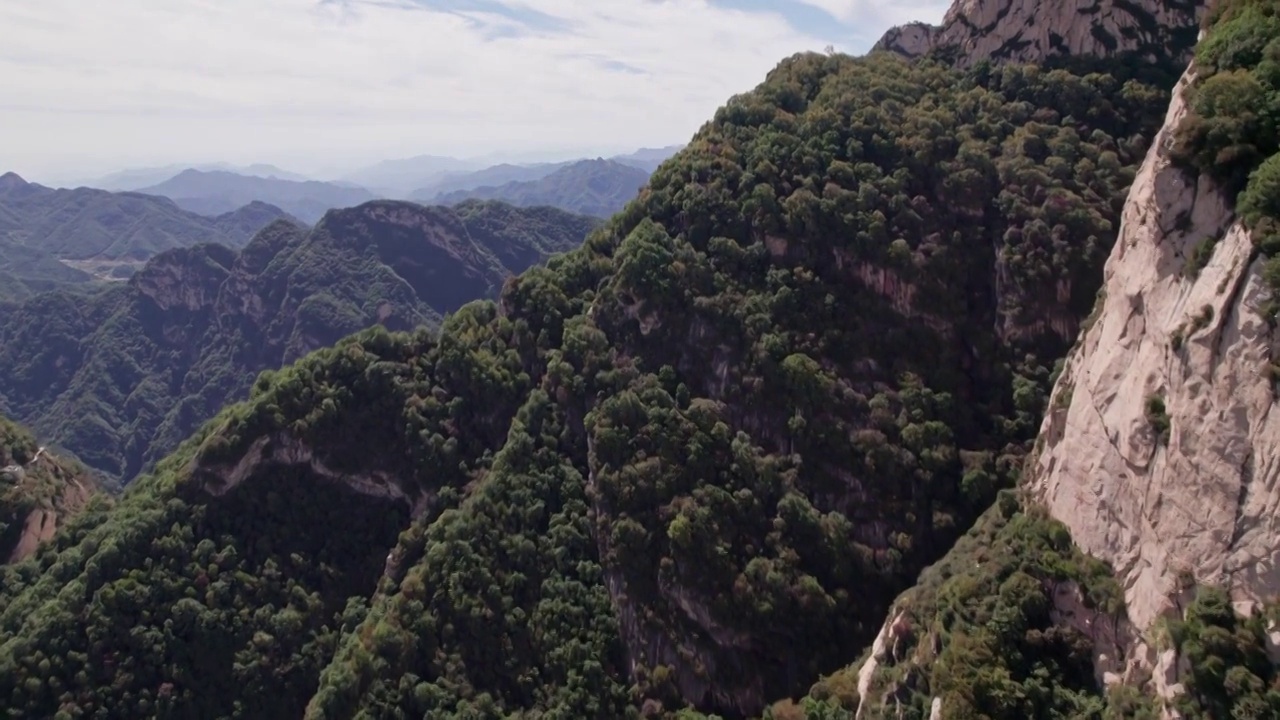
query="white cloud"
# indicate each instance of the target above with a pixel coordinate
(87, 85)
(883, 15)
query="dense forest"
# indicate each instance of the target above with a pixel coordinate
(685, 467)
(120, 374)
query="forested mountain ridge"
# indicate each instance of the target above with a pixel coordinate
(85, 223)
(55, 237)
(120, 376)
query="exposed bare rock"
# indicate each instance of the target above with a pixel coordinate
(912, 40)
(879, 651)
(1112, 637)
(284, 449)
(1202, 505)
(186, 279)
(1029, 31)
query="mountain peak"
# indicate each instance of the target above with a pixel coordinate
(11, 180)
(1029, 31)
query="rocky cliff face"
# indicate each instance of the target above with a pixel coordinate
(39, 493)
(185, 279)
(1028, 31)
(1180, 350)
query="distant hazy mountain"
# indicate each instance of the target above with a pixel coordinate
(488, 177)
(451, 183)
(120, 376)
(591, 187)
(648, 159)
(213, 193)
(399, 178)
(43, 230)
(138, 178)
(267, 171)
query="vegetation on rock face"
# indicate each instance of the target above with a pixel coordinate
(983, 630)
(1230, 671)
(120, 376)
(1232, 130)
(39, 492)
(689, 465)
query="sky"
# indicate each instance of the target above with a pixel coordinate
(321, 86)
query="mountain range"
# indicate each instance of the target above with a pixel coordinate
(491, 176)
(214, 193)
(214, 188)
(49, 237)
(119, 375)
(933, 383)
(591, 187)
(137, 178)
(427, 177)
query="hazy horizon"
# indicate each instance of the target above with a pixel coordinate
(323, 87)
(331, 173)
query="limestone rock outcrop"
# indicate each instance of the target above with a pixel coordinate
(1178, 348)
(1028, 31)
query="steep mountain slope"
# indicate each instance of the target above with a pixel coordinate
(122, 376)
(590, 187)
(217, 192)
(1157, 454)
(39, 492)
(86, 224)
(690, 464)
(1161, 455)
